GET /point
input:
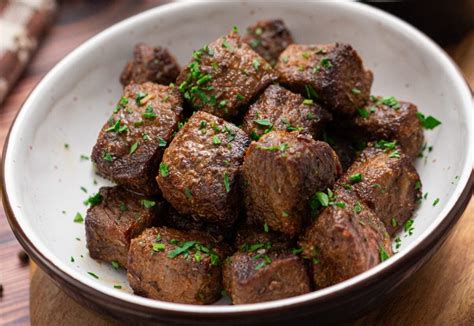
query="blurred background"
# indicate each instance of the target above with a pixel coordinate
(36, 34)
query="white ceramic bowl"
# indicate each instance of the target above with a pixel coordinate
(42, 178)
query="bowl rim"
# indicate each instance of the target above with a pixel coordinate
(441, 224)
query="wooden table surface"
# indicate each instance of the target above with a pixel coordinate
(442, 292)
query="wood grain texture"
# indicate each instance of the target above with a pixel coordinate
(441, 293)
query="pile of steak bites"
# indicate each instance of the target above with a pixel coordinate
(263, 168)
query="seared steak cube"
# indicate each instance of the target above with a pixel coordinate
(386, 181)
(200, 169)
(262, 274)
(150, 64)
(280, 109)
(131, 144)
(331, 73)
(387, 118)
(224, 76)
(119, 217)
(281, 171)
(176, 266)
(346, 239)
(268, 38)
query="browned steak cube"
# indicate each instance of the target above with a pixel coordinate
(268, 38)
(280, 109)
(331, 73)
(171, 265)
(387, 118)
(346, 239)
(150, 64)
(281, 171)
(130, 145)
(261, 274)
(386, 181)
(200, 169)
(224, 76)
(119, 217)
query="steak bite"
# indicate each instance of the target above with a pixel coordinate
(259, 273)
(330, 73)
(346, 239)
(386, 181)
(387, 118)
(268, 38)
(119, 217)
(281, 171)
(280, 109)
(150, 64)
(200, 169)
(224, 76)
(171, 265)
(130, 145)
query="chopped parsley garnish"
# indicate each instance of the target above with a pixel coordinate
(158, 247)
(263, 122)
(355, 90)
(429, 122)
(284, 214)
(321, 199)
(161, 142)
(363, 112)
(93, 275)
(226, 182)
(256, 64)
(115, 264)
(123, 101)
(398, 242)
(261, 265)
(123, 207)
(93, 200)
(84, 189)
(326, 63)
(138, 123)
(274, 148)
(386, 145)
(256, 246)
(202, 124)
(164, 170)
(117, 127)
(149, 114)
(394, 154)
(296, 251)
(310, 92)
(72, 259)
(117, 286)
(134, 147)
(226, 44)
(390, 101)
(78, 218)
(265, 227)
(356, 177)
(310, 116)
(139, 97)
(66, 146)
(216, 140)
(258, 31)
(148, 203)
(394, 222)
(417, 184)
(357, 207)
(188, 193)
(183, 249)
(308, 102)
(239, 97)
(107, 156)
(222, 104)
(408, 226)
(383, 254)
(435, 202)
(284, 59)
(254, 43)
(84, 157)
